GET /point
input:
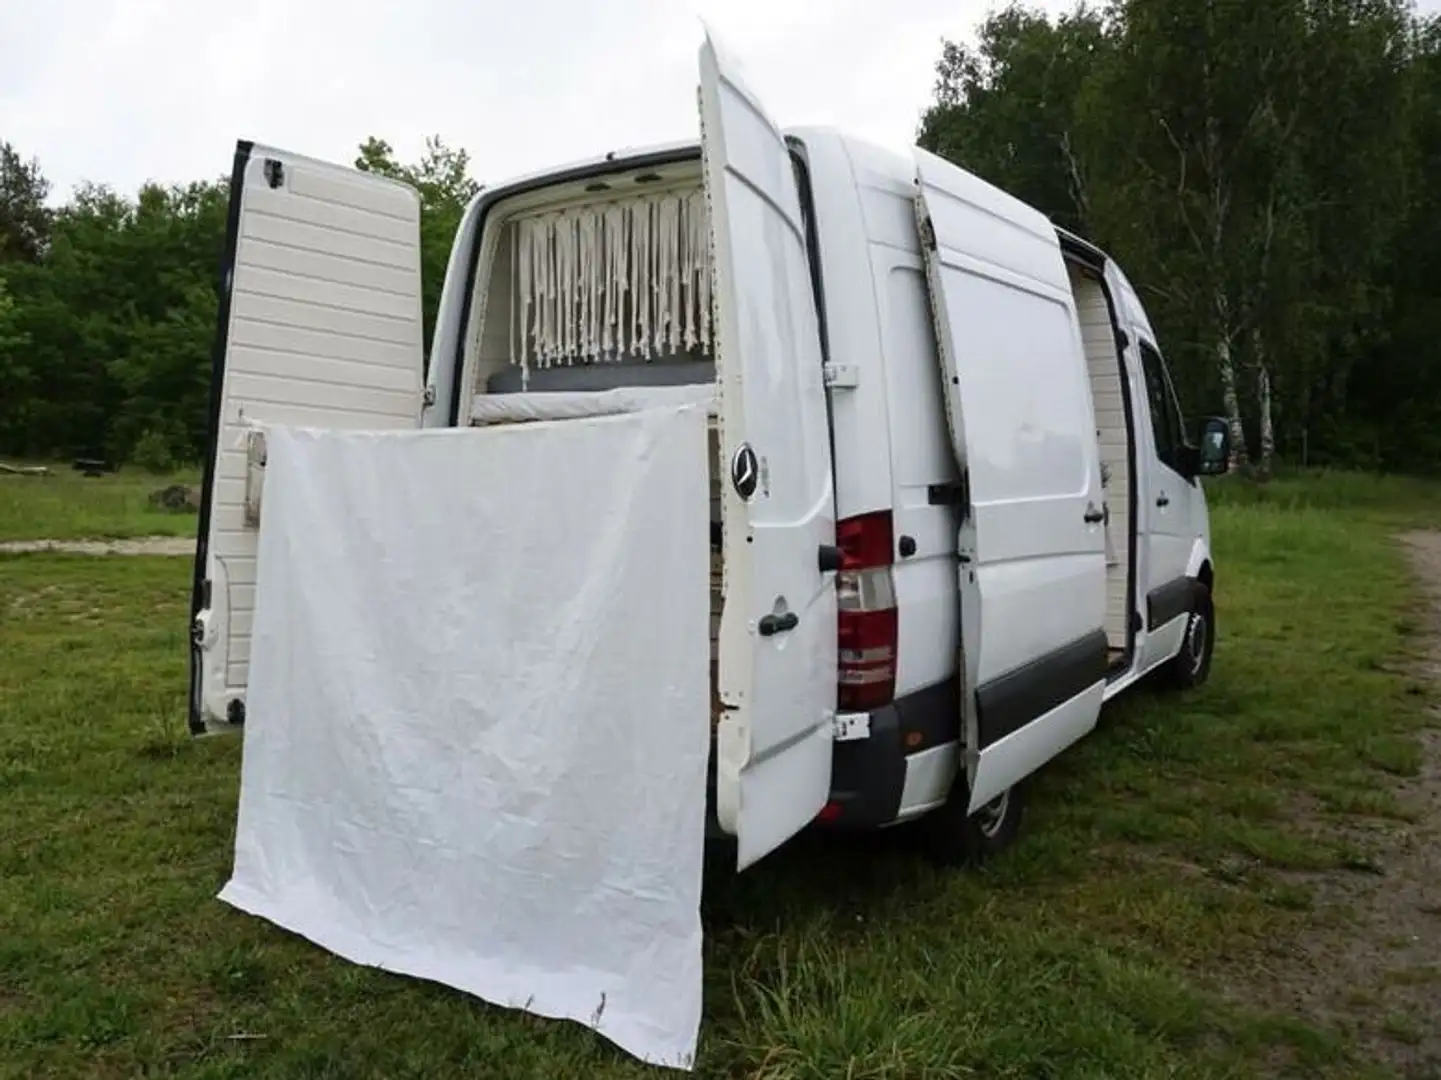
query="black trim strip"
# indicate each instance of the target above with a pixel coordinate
(487, 204)
(1010, 702)
(1083, 252)
(931, 717)
(200, 586)
(801, 166)
(1169, 601)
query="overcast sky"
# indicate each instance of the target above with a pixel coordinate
(123, 91)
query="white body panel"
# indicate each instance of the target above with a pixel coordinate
(777, 689)
(1033, 548)
(324, 330)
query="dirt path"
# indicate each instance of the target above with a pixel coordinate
(142, 545)
(1372, 967)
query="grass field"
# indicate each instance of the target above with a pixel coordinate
(67, 506)
(1163, 860)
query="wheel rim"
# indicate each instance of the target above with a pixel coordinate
(991, 816)
(1196, 637)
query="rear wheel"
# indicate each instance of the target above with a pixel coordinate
(1192, 665)
(953, 837)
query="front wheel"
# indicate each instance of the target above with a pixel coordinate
(1192, 665)
(952, 837)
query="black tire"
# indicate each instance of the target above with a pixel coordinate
(952, 837)
(1191, 667)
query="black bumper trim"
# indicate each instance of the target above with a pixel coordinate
(1169, 601)
(868, 776)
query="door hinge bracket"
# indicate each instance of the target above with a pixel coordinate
(842, 376)
(950, 493)
(429, 398)
(928, 233)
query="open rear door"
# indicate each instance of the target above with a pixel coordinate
(319, 325)
(1032, 543)
(778, 630)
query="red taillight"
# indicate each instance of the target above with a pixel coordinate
(867, 541)
(867, 623)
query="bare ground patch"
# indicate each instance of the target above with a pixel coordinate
(142, 545)
(1370, 966)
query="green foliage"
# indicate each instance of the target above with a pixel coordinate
(118, 318)
(24, 217)
(1005, 109)
(154, 452)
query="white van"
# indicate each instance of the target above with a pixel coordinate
(954, 506)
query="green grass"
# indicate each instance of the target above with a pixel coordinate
(1157, 863)
(67, 506)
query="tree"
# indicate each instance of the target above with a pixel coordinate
(1005, 109)
(118, 316)
(24, 219)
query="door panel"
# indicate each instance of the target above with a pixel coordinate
(1032, 546)
(319, 325)
(1166, 512)
(777, 676)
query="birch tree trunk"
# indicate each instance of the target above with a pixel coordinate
(1227, 366)
(1268, 436)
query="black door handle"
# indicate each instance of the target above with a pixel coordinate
(1163, 500)
(771, 625)
(1094, 516)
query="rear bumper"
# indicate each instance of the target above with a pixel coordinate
(868, 776)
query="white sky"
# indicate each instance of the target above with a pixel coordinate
(123, 91)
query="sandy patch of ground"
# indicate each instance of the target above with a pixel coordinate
(141, 545)
(1371, 967)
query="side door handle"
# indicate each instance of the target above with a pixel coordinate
(1163, 500)
(771, 625)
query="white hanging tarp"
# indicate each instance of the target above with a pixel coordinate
(477, 724)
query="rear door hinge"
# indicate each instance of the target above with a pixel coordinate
(429, 398)
(950, 493)
(842, 376)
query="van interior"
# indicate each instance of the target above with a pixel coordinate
(1105, 367)
(595, 285)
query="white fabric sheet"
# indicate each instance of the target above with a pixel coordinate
(477, 724)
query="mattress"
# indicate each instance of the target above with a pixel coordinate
(486, 409)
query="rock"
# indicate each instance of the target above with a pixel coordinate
(178, 498)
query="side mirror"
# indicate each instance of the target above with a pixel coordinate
(1213, 457)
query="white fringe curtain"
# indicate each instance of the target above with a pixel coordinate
(601, 283)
